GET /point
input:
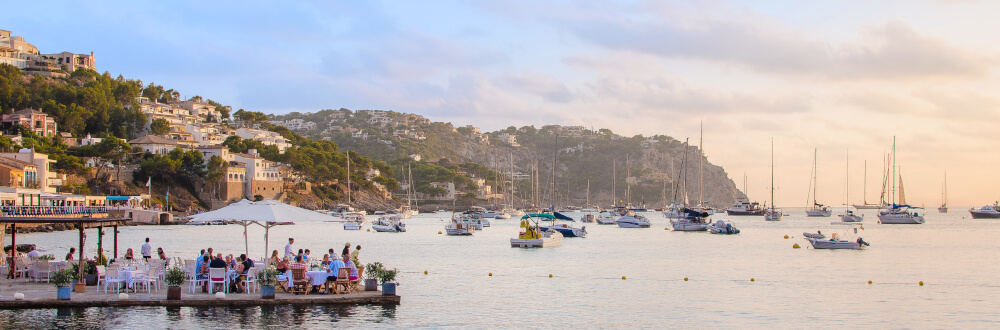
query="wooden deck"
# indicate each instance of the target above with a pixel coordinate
(43, 295)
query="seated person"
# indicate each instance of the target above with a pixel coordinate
(202, 271)
(283, 265)
(353, 275)
(298, 263)
(326, 261)
(217, 263)
(33, 254)
(128, 254)
(334, 269)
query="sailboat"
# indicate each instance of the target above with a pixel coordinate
(691, 220)
(865, 205)
(590, 209)
(817, 209)
(898, 212)
(849, 216)
(773, 213)
(944, 195)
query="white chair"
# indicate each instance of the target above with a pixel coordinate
(100, 275)
(251, 281)
(21, 268)
(43, 269)
(148, 280)
(113, 276)
(193, 279)
(213, 274)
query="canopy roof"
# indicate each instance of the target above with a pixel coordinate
(265, 213)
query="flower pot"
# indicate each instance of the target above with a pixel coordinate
(371, 284)
(266, 292)
(389, 289)
(79, 287)
(62, 292)
(173, 293)
(90, 279)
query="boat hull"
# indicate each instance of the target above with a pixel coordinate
(746, 213)
(551, 239)
(852, 218)
(773, 216)
(466, 231)
(825, 244)
(984, 215)
(818, 213)
(867, 207)
(567, 231)
(688, 226)
(352, 226)
(631, 222)
(389, 229)
(900, 219)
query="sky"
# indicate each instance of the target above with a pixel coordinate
(843, 78)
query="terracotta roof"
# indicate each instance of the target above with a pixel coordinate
(15, 163)
(152, 139)
(29, 111)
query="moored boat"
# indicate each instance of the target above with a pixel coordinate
(691, 220)
(532, 236)
(389, 224)
(722, 228)
(845, 241)
(986, 212)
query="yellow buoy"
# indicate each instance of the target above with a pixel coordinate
(751, 279)
(491, 274)
(369, 230)
(666, 228)
(439, 233)
(869, 281)
(425, 272)
(623, 277)
(786, 236)
(796, 246)
(921, 283)
(685, 279)
(550, 275)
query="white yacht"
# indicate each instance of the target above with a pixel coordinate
(745, 208)
(772, 213)
(986, 212)
(629, 219)
(353, 220)
(458, 228)
(605, 218)
(897, 212)
(722, 228)
(817, 209)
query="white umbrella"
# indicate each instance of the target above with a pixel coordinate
(266, 213)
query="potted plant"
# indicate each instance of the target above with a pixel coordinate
(90, 272)
(371, 275)
(268, 279)
(62, 280)
(174, 277)
(387, 276)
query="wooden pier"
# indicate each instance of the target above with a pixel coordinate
(43, 295)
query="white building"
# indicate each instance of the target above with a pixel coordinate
(266, 137)
(48, 180)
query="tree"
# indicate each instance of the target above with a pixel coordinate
(159, 126)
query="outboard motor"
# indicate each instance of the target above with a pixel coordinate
(862, 242)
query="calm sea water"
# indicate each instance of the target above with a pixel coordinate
(955, 257)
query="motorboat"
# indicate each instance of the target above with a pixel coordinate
(458, 228)
(673, 211)
(722, 228)
(847, 240)
(483, 212)
(900, 214)
(567, 230)
(470, 218)
(605, 218)
(773, 214)
(819, 210)
(589, 217)
(353, 220)
(745, 208)
(390, 224)
(850, 216)
(502, 214)
(986, 212)
(629, 219)
(534, 237)
(515, 212)
(690, 221)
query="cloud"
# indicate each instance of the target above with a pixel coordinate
(536, 84)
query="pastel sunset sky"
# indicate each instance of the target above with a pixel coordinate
(834, 75)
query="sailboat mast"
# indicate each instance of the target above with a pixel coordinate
(614, 177)
(348, 177)
(893, 193)
(815, 174)
(847, 177)
(552, 192)
(701, 163)
(772, 175)
(865, 186)
(685, 172)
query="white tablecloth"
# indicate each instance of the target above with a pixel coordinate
(315, 277)
(53, 266)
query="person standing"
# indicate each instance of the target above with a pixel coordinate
(146, 250)
(288, 248)
(354, 255)
(347, 249)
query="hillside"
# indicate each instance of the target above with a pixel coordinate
(654, 163)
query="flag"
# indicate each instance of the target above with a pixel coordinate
(167, 204)
(148, 181)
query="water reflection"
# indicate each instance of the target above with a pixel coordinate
(195, 317)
